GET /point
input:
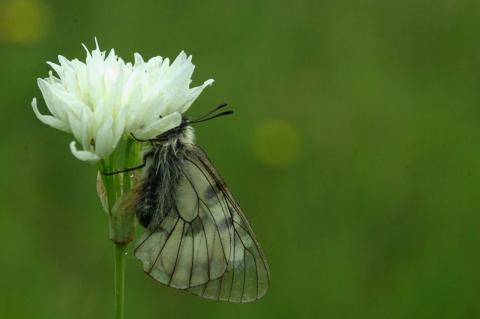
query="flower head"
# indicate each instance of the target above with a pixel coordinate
(105, 99)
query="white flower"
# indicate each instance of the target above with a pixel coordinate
(105, 99)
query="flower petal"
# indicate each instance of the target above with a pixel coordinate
(83, 155)
(82, 126)
(138, 59)
(193, 94)
(49, 120)
(104, 145)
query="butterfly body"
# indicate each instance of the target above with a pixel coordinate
(165, 159)
(196, 236)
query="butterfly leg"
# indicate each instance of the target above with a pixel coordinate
(138, 139)
(129, 169)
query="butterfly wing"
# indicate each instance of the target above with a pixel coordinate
(247, 276)
(205, 244)
(192, 244)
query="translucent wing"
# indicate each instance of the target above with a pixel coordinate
(192, 244)
(247, 276)
(205, 244)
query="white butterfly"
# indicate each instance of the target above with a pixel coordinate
(197, 238)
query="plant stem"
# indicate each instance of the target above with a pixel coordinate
(127, 181)
(122, 218)
(120, 253)
(108, 183)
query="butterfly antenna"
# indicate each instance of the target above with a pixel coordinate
(212, 117)
(206, 116)
(212, 111)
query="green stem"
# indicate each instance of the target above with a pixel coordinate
(120, 253)
(122, 218)
(127, 181)
(108, 183)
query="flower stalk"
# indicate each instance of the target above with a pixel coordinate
(114, 194)
(120, 254)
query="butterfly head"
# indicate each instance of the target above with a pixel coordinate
(184, 133)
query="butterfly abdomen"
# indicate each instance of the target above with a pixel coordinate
(157, 193)
(147, 202)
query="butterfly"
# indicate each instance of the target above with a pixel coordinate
(196, 236)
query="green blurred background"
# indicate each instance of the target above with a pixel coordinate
(354, 152)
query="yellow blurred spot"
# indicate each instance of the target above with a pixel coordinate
(23, 21)
(276, 143)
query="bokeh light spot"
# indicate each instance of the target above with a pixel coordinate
(23, 21)
(276, 143)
